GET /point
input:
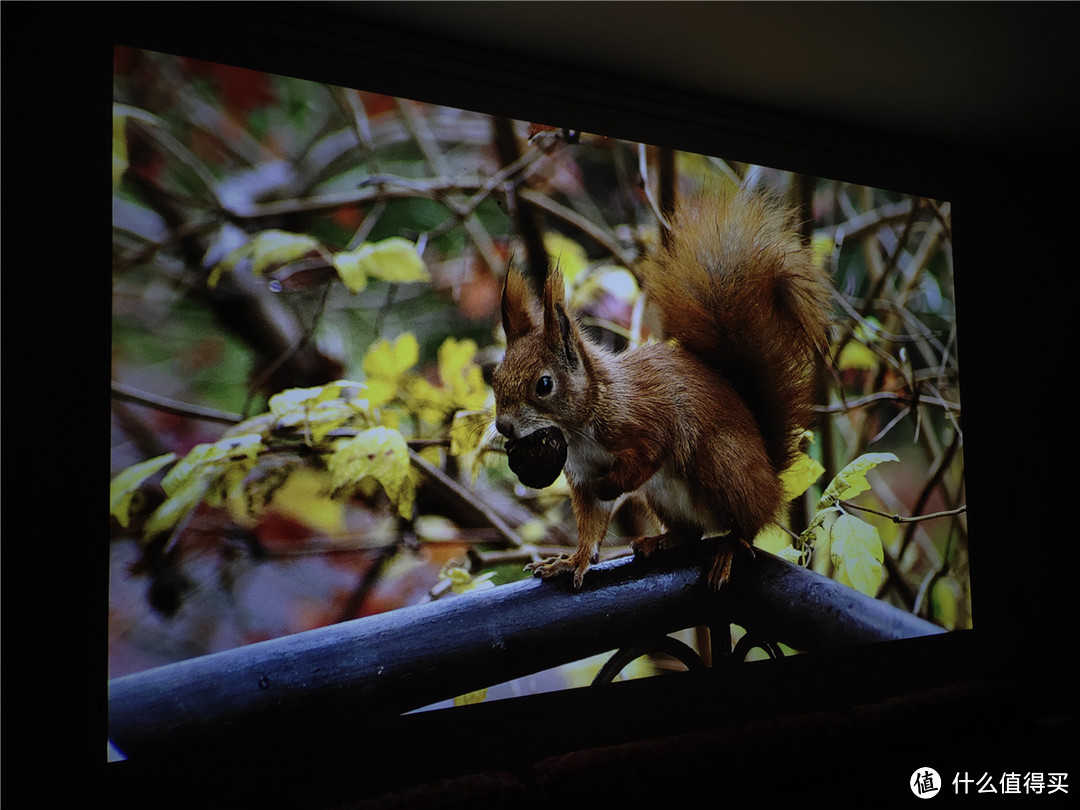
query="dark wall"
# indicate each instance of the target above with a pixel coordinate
(1014, 249)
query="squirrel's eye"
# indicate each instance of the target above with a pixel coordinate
(544, 386)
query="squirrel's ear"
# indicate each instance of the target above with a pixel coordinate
(517, 307)
(554, 298)
(559, 330)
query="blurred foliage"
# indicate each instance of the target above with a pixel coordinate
(306, 287)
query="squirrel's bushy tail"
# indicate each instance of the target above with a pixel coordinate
(736, 286)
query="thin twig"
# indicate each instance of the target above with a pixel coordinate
(907, 518)
(175, 407)
(886, 396)
(449, 484)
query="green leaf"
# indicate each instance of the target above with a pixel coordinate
(395, 260)
(857, 554)
(851, 480)
(127, 483)
(380, 454)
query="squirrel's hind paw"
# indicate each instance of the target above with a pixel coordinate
(720, 571)
(645, 546)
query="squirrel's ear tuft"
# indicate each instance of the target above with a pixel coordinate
(518, 307)
(559, 331)
(554, 298)
(554, 290)
(567, 340)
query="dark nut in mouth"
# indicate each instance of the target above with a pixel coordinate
(537, 459)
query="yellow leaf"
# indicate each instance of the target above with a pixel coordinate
(822, 246)
(430, 404)
(295, 400)
(328, 416)
(395, 260)
(461, 375)
(791, 554)
(436, 529)
(851, 480)
(388, 361)
(304, 496)
(945, 601)
(772, 539)
(267, 251)
(461, 581)
(857, 353)
(532, 531)
(467, 431)
(380, 454)
(202, 456)
(432, 455)
(858, 356)
(454, 357)
(127, 483)
(322, 408)
(274, 248)
(816, 532)
(181, 501)
(857, 554)
(798, 477)
(380, 392)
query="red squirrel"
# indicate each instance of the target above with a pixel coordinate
(700, 425)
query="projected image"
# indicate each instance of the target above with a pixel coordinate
(370, 353)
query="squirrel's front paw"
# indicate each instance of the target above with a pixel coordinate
(549, 566)
(557, 565)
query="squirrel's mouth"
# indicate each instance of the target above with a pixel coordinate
(538, 458)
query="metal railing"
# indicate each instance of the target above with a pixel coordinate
(384, 665)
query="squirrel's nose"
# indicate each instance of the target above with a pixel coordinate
(504, 425)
